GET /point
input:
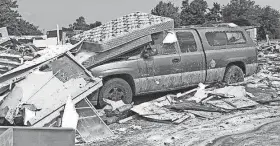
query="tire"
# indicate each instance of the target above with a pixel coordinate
(115, 89)
(234, 74)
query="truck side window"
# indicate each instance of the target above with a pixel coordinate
(235, 38)
(168, 49)
(162, 49)
(186, 42)
(216, 38)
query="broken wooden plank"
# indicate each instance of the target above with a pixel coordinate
(127, 119)
(191, 105)
(240, 103)
(182, 119)
(221, 104)
(5, 55)
(9, 63)
(207, 115)
(186, 93)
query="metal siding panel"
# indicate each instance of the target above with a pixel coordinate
(29, 136)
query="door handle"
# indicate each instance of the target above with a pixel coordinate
(176, 60)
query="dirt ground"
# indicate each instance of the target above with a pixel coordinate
(258, 126)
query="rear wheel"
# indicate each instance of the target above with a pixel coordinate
(234, 74)
(115, 89)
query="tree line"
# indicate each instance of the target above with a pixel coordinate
(16, 25)
(240, 12)
(10, 18)
(196, 12)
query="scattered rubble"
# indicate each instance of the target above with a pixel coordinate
(14, 54)
(49, 88)
(222, 100)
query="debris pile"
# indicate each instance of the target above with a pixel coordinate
(115, 111)
(269, 68)
(206, 103)
(40, 82)
(14, 54)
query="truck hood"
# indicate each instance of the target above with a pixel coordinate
(117, 65)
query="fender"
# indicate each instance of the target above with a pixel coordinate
(236, 59)
(117, 71)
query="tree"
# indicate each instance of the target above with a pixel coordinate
(215, 13)
(240, 10)
(167, 10)
(269, 21)
(81, 24)
(246, 12)
(95, 24)
(11, 19)
(193, 13)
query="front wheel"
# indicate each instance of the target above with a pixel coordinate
(115, 89)
(234, 74)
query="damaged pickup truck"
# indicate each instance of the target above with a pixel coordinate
(178, 59)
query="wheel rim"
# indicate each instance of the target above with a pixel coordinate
(115, 94)
(235, 77)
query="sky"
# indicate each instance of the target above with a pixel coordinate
(48, 13)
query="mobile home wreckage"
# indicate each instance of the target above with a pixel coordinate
(36, 84)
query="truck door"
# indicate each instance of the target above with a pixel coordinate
(146, 75)
(162, 70)
(192, 57)
(167, 68)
